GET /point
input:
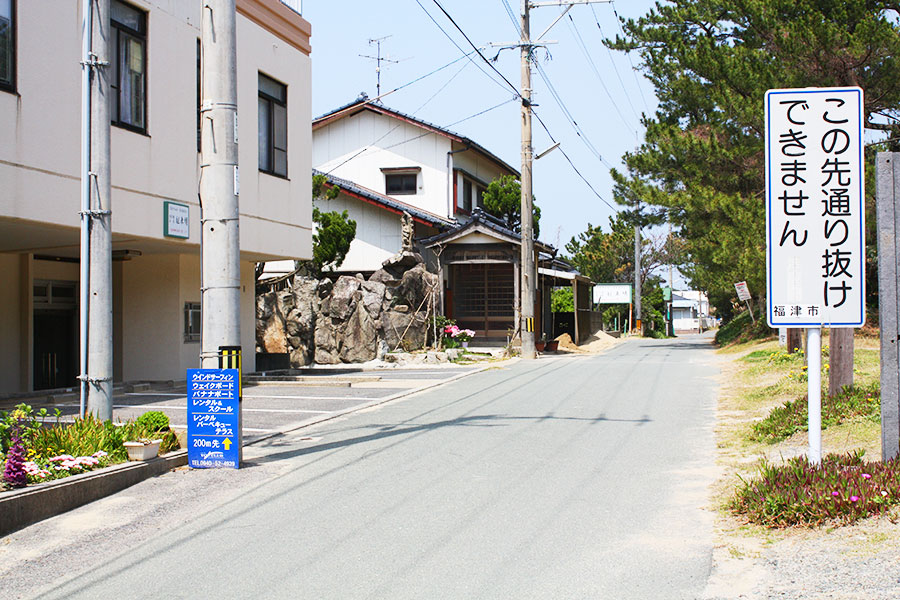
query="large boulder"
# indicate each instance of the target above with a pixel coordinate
(357, 337)
(326, 343)
(404, 331)
(343, 298)
(415, 286)
(271, 335)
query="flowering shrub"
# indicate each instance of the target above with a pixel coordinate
(14, 472)
(840, 490)
(64, 465)
(459, 335)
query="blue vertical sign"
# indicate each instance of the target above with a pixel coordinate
(213, 418)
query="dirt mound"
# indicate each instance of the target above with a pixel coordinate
(597, 342)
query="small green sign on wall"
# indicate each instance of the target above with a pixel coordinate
(176, 220)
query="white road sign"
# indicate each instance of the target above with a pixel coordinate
(815, 216)
(612, 293)
(742, 290)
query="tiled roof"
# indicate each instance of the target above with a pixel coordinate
(363, 103)
(490, 222)
(388, 202)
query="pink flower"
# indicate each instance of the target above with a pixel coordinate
(61, 458)
(99, 454)
(866, 476)
(854, 498)
(884, 493)
(835, 493)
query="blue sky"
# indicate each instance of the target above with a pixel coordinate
(597, 87)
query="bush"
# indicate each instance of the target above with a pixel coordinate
(841, 490)
(786, 420)
(153, 421)
(742, 329)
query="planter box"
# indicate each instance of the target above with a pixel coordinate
(142, 451)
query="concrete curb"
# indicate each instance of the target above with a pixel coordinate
(20, 508)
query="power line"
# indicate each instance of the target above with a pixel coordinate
(628, 54)
(568, 114)
(447, 35)
(593, 65)
(572, 164)
(483, 57)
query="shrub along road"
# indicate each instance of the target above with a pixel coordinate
(569, 477)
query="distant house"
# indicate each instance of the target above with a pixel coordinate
(690, 311)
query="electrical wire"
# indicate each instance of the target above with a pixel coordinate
(628, 54)
(562, 105)
(593, 65)
(572, 164)
(458, 47)
(483, 57)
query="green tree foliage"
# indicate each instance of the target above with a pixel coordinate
(561, 300)
(608, 257)
(331, 242)
(503, 199)
(334, 231)
(711, 62)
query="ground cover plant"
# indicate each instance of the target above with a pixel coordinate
(791, 417)
(840, 490)
(35, 449)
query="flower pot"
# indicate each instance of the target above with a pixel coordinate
(539, 346)
(552, 346)
(142, 450)
(465, 344)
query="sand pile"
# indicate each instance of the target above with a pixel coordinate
(597, 342)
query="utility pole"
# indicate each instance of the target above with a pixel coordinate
(96, 372)
(528, 272)
(637, 269)
(529, 275)
(378, 60)
(220, 275)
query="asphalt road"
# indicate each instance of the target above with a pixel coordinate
(570, 477)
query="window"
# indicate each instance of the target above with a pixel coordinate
(7, 45)
(467, 196)
(272, 126)
(191, 321)
(129, 53)
(398, 184)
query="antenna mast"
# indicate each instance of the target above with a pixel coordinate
(378, 60)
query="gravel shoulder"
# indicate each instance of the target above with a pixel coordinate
(754, 563)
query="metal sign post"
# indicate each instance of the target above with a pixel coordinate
(743, 293)
(815, 220)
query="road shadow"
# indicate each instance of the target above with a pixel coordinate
(389, 431)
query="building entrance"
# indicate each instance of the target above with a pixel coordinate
(55, 335)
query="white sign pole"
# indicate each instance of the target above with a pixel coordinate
(814, 392)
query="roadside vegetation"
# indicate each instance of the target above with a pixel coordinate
(37, 447)
(763, 438)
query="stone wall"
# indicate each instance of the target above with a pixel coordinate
(349, 320)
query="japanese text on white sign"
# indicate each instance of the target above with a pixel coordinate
(815, 217)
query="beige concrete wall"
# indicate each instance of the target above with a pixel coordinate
(40, 158)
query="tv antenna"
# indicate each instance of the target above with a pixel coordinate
(378, 60)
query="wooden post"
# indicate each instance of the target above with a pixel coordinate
(794, 340)
(840, 360)
(887, 177)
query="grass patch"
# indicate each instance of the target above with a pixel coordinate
(742, 329)
(791, 417)
(841, 490)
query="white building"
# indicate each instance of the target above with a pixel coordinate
(395, 162)
(690, 311)
(155, 166)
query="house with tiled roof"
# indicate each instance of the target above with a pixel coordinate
(386, 162)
